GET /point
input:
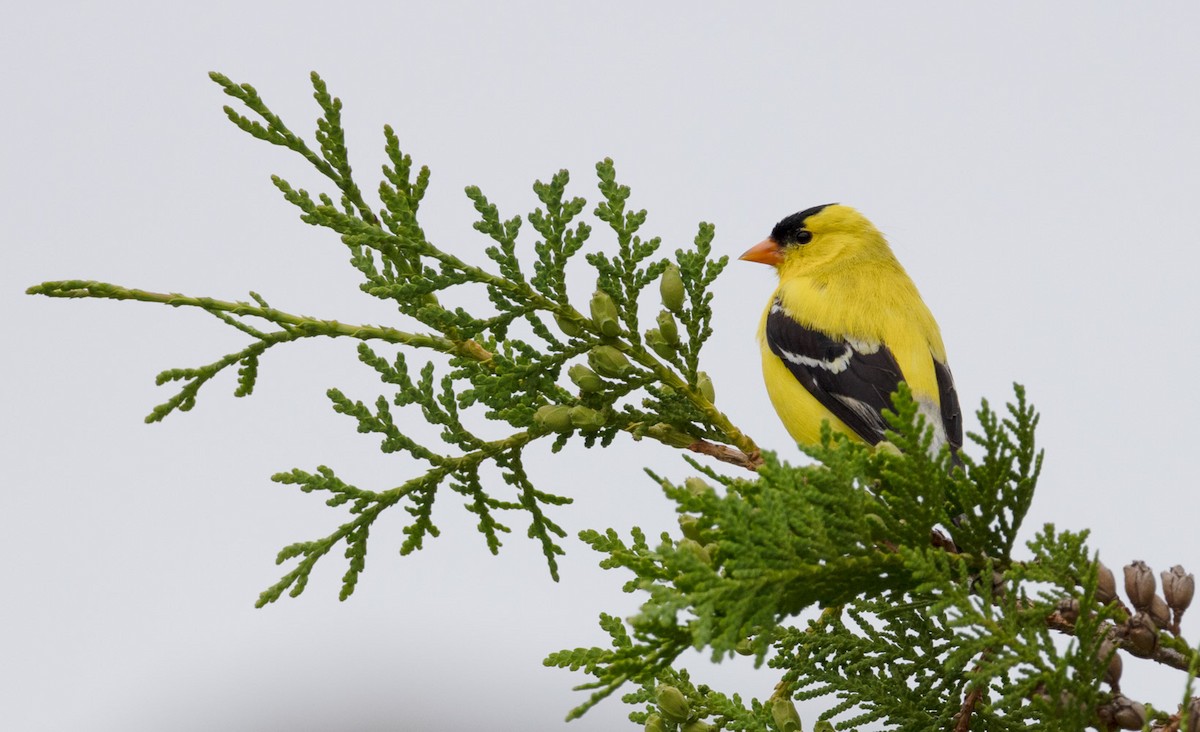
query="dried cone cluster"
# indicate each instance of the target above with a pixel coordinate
(1152, 610)
(1121, 712)
(1150, 613)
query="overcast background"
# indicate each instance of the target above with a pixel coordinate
(1034, 167)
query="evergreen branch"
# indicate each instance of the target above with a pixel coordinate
(402, 196)
(332, 163)
(729, 455)
(366, 506)
(623, 276)
(855, 532)
(751, 456)
(531, 499)
(1166, 652)
(514, 380)
(302, 326)
(297, 326)
(195, 378)
(631, 659)
(332, 140)
(962, 720)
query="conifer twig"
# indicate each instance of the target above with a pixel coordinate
(727, 454)
(1162, 654)
(301, 326)
(962, 720)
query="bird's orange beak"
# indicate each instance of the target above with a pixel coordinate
(766, 251)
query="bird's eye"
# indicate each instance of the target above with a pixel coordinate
(803, 236)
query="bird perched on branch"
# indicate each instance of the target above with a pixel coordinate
(845, 326)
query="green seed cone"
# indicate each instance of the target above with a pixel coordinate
(665, 433)
(671, 288)
(585, 378)
(691, 546)
(787, 719)
(568, 326)
(608, 361)
(669, 328)
(672, 703)
(658, 344)
(604, 314)
(705, 385)
(556, 417)
(689, 525)
(655, 723)
(586, 418)
(697, 486)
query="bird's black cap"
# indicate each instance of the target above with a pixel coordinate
(791, 229)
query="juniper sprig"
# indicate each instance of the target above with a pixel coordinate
(531, 361)
(928, 611)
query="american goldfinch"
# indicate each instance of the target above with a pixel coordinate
(845, 326)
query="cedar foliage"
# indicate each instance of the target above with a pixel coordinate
(932, 615)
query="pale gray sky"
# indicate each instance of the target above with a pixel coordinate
(1035, 168)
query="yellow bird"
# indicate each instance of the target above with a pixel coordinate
(845, 326)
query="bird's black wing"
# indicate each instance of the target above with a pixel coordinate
(853, 380)
(951, 411)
